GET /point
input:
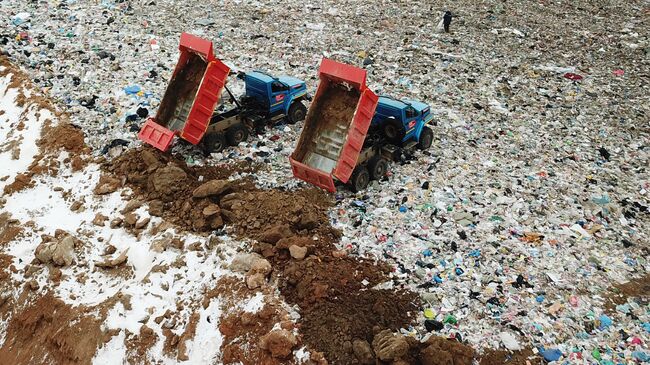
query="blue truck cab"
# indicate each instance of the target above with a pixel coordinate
(403, 121)
(277, 95)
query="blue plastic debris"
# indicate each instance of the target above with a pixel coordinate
(459, 271)
(605, 322)
(437, 279)
(540, 298)
(551, 354)
(475, 253)
(641, 356)
(133, 89)
(646, 326)
(427, 253)
(402, 208)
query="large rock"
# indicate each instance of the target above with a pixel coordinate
(279, 343)
(243, 262)
(308, 220)
(110, 263)
(168, 180)
(298, 252)
(389, 346)
(106, 185)
(275, 234)
(212, 187)
(59, 253)
(261, 266)
(44, 252)
(63, 254)
(363, 352)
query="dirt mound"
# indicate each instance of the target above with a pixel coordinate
(332, 325)
(242, 331)
(168, 184)
(9, 228)
(51, 332)
(63, 137)
(257, 213)
(639, 289)
(501, 357)
(292, 230)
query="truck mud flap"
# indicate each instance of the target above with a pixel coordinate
(156, 135)
(312, 175)
(356, 135)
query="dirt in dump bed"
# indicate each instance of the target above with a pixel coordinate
(637, 289)
(502, 357)
(51, 332)
(183, 86)
(335, 107)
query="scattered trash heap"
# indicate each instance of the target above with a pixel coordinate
(524, 228)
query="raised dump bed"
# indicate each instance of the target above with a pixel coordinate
(335, 127)
(191, 96)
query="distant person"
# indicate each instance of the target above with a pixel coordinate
(446, 20)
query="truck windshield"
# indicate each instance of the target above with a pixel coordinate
(277, 86)
(411, 112)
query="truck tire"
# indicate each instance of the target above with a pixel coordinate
(393, 130)
(377, 167)
(359, 179)
(214, 142)
(426, 138)
(236, 134)
(297, 112)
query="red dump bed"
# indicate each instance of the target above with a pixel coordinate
(335, 127)
(191, 96)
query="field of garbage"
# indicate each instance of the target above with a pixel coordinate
(520, 237)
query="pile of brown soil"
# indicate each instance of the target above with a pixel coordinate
(51, 332)
(619, 294)
(331, 288)
(168, 184)
(9, 228)
(292, 230)
(63, 137)
(502, 357)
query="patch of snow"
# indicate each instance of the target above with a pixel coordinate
(9, 134)
(113, 352)
(254, 304)
(205, 348)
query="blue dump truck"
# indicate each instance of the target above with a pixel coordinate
(267, 100)
(188, 107)
(396, 126)
(350, 134)
(403, 122)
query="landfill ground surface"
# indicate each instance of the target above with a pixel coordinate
(520, 237)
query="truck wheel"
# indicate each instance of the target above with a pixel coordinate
(214, 142)
(378, 167)
(426, 138)
(393, 130)
(236, 134)
(359, 179)
(297, 112)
